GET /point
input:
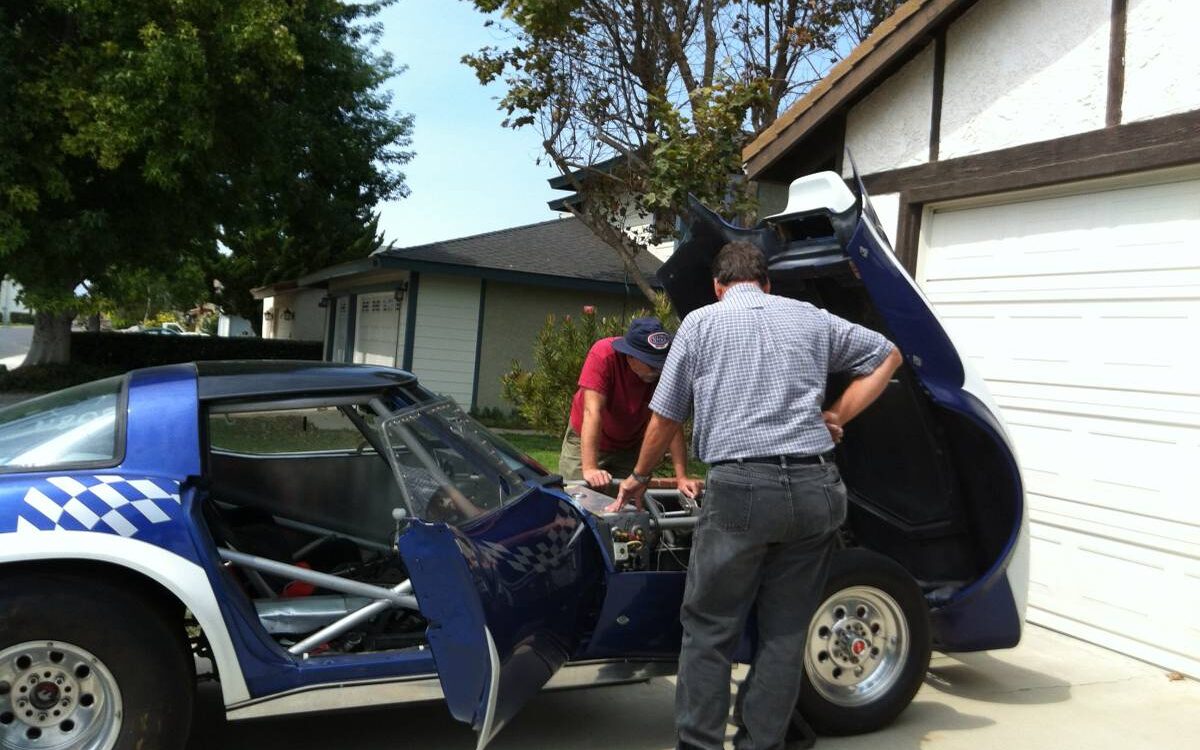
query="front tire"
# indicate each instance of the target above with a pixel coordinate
(868, 646)
(89, 665)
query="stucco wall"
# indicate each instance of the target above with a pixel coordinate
(890, 128)
(512, 316)
(1021, 71)
(887, 208)
(308, 317)
(1162, 59)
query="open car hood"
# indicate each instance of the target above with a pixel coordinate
(933, 476)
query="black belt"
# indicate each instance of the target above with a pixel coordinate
(785, 461)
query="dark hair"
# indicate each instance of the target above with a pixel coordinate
(740, 261)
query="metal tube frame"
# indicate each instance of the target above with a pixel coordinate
(400, 595)
(344, 625)
(324, 580)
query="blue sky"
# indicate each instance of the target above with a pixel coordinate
(469, 175)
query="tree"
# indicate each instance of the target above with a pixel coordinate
(136, 134)
(642, 102)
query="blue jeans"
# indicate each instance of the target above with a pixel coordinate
(764, 540)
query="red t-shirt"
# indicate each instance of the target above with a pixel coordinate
(627, 405)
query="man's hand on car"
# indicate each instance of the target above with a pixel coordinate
(597, 479)
(689, 487)
(631, 489)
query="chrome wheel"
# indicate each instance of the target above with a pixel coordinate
(858, 643)
(56, 695)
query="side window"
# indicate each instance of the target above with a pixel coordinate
(322, 429)
(76, 426)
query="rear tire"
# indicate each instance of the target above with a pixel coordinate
(868, 646)
(90, 665)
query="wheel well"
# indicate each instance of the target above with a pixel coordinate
(147, 588)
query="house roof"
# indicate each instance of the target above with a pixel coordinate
(897, 39)
(559, 252)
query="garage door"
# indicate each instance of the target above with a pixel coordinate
(379, 329)
(1083, 313)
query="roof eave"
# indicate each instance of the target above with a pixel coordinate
(900, 36)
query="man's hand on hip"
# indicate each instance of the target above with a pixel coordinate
(597, 479)
(834, 424)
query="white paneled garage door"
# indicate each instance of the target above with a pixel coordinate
(1082, 311)
(379, 329)
(446, 336)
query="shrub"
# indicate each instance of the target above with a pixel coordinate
(491, 416)
(543, 395)
(128, 351)
(21, 318)
(45, 378)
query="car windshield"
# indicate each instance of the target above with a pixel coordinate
(78, 425)
(449, 467)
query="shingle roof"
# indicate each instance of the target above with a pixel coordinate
(559, 247)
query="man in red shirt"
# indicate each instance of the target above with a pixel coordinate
(611, 409)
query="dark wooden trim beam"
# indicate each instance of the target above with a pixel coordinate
(939, 77)
(1116, 63)
(908, 234)
(1136, 147)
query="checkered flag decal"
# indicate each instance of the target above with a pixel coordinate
(525, 559)
(103, 502)
(544, 555)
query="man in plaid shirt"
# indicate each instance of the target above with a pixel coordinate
(752, 368)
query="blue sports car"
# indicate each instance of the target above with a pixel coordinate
(333, 536)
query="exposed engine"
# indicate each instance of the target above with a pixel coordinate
(657, 538)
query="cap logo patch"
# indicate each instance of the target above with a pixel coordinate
(659, 340)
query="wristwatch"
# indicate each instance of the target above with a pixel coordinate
(640, 478)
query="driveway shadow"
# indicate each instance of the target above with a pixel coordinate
(983, 677)
(637, 717)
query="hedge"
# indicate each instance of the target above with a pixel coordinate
(128, 351)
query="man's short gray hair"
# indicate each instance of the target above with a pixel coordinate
(740, 261)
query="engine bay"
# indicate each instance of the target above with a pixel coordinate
(656, 538)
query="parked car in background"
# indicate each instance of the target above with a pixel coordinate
(333, 536)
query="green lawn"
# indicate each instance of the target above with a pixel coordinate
(544, 449)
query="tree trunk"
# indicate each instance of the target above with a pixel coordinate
(51, 339)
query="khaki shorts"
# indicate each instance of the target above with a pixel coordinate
(570, 462)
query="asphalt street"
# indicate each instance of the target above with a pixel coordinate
(1051, 692)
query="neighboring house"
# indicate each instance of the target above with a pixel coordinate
(10, 301)
(290, 312)
(637, 225)
(1037, 166)
(457, 313)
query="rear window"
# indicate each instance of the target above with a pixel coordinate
(79, 426)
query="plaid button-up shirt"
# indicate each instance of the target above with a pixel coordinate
(754, 366)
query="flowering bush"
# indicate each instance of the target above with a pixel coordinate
(543, 394)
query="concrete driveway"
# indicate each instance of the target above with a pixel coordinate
(1051, 692)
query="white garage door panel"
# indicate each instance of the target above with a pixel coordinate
(1083, 314)
(380, 329)
(447, 332)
